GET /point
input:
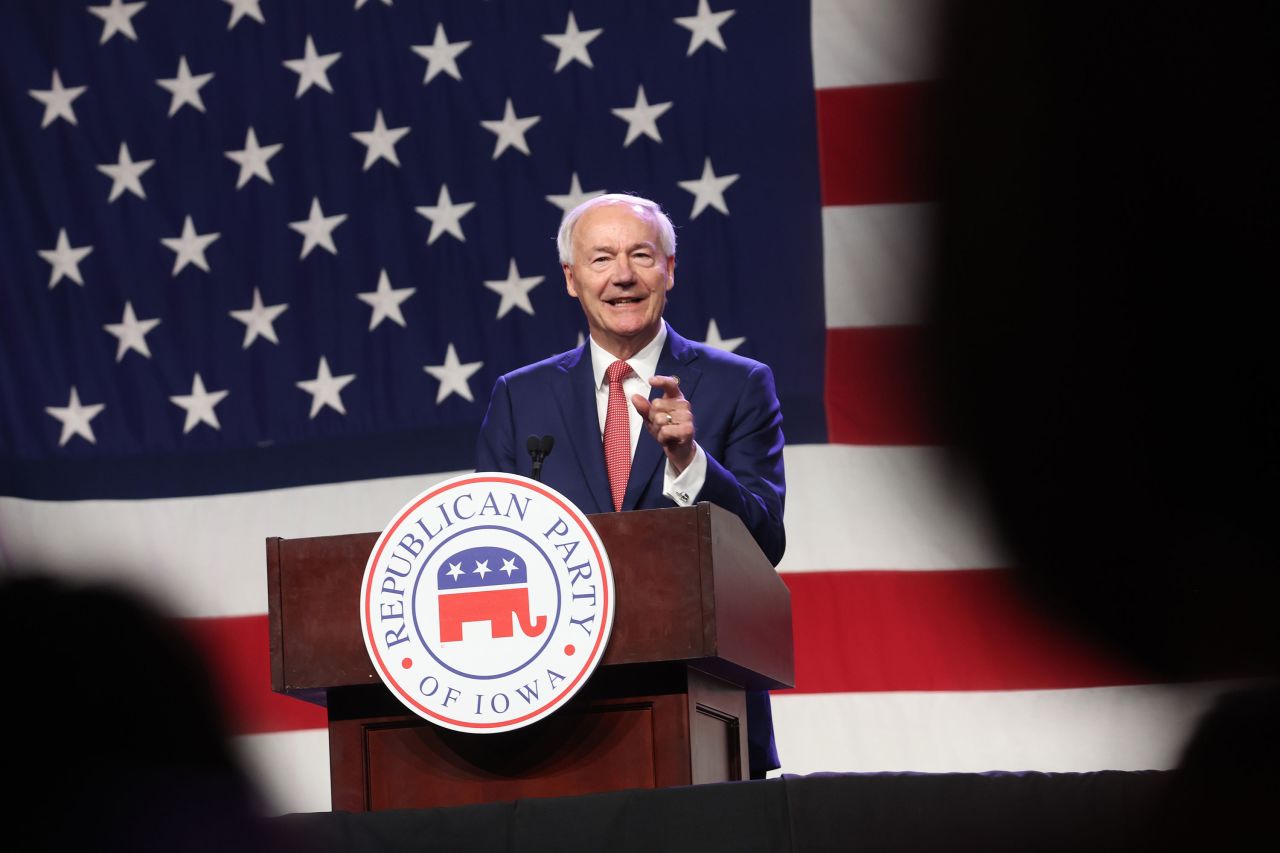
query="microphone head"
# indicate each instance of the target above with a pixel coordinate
(548, 441)
(532, 444)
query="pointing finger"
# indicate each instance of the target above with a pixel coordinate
(670, 386)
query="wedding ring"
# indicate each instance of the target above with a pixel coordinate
(670, 420)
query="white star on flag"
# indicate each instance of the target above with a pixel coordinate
(641, 118)
(190, 246)
(252, 159)
(244, 8)
(312, 69)
(572, 44)
(258, 320)
(453, 376)
(705, 26)
(380, 143)
(117, 18)
(326, 389)
(510, 130)
(75, 418)
(482, 568)
(317, 229)
(125, 174)
(514, 290)
(445, 216)
(65, 259)
(441, 55)
(199, 405)
(386, 301)
(185, 87)
(455, 571)
(360, 3)
(508, 566)
(574, 197)
(714, 339)
(131, 333)
(57, 100)
(708, 190)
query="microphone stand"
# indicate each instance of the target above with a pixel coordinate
(539, 449)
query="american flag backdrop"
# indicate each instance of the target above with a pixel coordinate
(262, 261)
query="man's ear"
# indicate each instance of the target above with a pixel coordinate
(568, 280)
(671, 272)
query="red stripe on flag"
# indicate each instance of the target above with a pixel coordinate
(871, 144)
(860, 631)
(928, 631)
(873, 386)
(237, 650)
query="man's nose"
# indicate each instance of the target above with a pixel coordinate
(623, 273)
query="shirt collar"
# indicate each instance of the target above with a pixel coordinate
(644, 363)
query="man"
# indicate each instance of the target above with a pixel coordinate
(618, 257)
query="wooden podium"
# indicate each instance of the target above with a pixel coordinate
(701, 617)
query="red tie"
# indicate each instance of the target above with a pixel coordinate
(617, 433)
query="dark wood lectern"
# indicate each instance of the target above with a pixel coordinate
(701, 616)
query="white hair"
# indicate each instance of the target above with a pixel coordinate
(666, 231)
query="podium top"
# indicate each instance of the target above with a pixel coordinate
(693, 587)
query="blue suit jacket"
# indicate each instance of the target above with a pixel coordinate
(737, 423)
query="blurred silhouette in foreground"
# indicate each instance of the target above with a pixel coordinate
(1100, 355)
(115, 736)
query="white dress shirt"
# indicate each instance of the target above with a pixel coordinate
(683, 488)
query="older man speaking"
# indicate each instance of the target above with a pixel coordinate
(624, 403)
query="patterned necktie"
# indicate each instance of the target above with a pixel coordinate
(617, 433)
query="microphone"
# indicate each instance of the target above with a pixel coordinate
(539, 449)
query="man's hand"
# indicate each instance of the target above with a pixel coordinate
(670, 421)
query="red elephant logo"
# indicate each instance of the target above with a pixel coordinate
(485, 584)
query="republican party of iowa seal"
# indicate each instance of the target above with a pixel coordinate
(487, 602)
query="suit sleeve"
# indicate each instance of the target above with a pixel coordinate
(495, 446)
(746, 477)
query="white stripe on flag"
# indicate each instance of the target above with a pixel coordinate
(865, 42)
(1062, 731)
(848, 507)
(291, 769)
(874, 258)
(852, 507)
(195, 556)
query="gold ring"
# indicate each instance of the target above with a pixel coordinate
(670, 420)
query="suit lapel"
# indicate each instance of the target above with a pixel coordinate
(577, 399)
(678, 358)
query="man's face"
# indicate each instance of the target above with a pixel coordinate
(620, 275)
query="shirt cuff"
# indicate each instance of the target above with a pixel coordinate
(683, 489)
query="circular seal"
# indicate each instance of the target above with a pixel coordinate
(487, 602)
